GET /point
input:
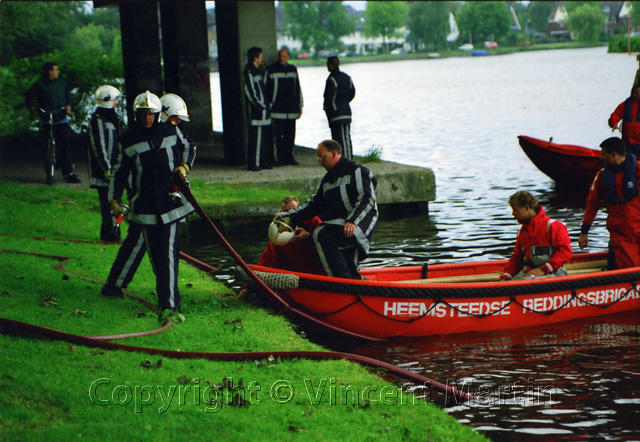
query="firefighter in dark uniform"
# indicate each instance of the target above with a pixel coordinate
(283, 86)
(260, 140)
(104, 137)
(133, 249)
(346, 199)
(338, 93)
(150, 153)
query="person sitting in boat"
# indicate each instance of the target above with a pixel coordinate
(629, 112)
(293, 250)
(616, 187)
(347, 198)
(542, 246)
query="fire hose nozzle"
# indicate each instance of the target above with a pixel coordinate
(120, 217)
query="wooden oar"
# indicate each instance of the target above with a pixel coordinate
(572, 269)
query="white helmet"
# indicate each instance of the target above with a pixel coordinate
(106, 95)
(147, 100)
(172, 105)
(280, 233)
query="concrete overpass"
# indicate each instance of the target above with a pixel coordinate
(165, 49)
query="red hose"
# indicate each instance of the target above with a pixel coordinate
(267, 291)
(22, 328)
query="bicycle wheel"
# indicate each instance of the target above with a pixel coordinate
(51, 161)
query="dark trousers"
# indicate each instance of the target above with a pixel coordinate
(341, 132)
(284, 132)
(129, 257)
(338, 254)
(163, 243)
(108, 222)
(63, 148)
(259, 147)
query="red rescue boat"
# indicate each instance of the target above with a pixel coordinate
(418, 301)
(566, 164)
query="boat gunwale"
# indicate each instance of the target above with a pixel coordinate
(455, 290)
(562, 149)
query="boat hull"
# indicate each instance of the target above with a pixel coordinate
(566, 164)
(384, 308)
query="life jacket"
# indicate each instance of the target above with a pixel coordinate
(629, 182)
(540, 255)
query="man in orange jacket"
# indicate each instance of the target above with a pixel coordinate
(542, 246)
(629, 112)
(616, 187)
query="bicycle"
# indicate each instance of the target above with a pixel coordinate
(50, 160)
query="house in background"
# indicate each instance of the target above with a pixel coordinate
(616, 22)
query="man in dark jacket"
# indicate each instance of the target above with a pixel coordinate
(104, 137)
(346, 202)
(260, 142)
(338, 93)
(283, 86)
(150, 153)
(51, 94)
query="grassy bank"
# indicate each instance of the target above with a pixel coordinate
(57, 391)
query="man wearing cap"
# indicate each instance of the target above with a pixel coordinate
(616, 187)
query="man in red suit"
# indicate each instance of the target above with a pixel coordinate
(542, 246)
(616, 188)
(629, 112)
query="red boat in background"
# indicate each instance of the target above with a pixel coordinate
(420, 301)
(567, 164)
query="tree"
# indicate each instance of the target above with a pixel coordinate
(587, 20)
(317, 24)
(384, 19)
(429, 23)
(31, 28)
(635, 13)
(539, 12)
(86, 45)
(484, 20)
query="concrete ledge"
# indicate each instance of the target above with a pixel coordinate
(401, 189)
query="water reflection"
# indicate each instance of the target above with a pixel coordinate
(579, 378)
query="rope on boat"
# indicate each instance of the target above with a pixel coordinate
(276, 281)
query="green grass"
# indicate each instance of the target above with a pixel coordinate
(372, 155)
(58, 391)
(220, 194)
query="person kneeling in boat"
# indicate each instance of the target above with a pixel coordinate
(347, 199)
(616, 187)
(542, 246)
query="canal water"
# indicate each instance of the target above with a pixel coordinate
(461, 117)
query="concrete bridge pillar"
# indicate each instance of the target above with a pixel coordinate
(240, 25)
(186, 62)
(140, 49)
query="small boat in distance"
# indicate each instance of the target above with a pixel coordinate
(420, 301)
(568, 165)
